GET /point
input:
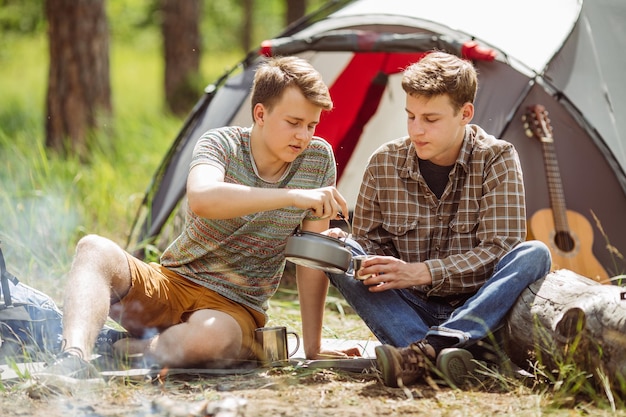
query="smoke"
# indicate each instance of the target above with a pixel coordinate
(37, 231)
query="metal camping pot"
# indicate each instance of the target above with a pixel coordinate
(318, 251)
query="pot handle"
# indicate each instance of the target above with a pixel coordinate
(342, 217)
(298, 228)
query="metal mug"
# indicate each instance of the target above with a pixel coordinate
(357, 260)
(272, 345)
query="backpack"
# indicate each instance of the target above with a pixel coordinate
(30, 321)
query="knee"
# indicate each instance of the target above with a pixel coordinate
(334, 278)
(342, 280)
(539, 253)
(93, 244)
(222, 329)
(95, 252)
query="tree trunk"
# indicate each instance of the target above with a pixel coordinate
(295, 10)
(79, 90)
(247, 7)
(181, 40)
(566, 318)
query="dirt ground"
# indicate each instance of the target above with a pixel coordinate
(289, 391)
(294, 390)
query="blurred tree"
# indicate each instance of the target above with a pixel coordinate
(295, 10)
(180, 27)
(79, 91)
(21, 17)
(247, 24)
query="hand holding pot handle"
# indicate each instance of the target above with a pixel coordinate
(324, 202)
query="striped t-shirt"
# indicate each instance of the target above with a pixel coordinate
(243, 258)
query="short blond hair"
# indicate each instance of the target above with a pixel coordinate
(277, 74)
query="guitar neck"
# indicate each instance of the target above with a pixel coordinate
(555, 185)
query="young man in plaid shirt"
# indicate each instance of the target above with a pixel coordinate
(442, 215)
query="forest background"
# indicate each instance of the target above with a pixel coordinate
(50, 198)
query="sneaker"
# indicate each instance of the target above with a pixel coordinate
(105, 340)
(68, 374)
(456, 365)
(71, 366)
(403, 366)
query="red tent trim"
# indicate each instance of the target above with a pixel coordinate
(356, 94)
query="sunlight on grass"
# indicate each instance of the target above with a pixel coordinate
(47, 202)
(137, 78)
(24, 76)
(285, 311)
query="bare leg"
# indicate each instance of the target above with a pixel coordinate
(98, 276)
(208, 336)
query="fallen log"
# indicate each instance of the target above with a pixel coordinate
(565, 318)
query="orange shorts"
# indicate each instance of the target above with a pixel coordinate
(160, 298)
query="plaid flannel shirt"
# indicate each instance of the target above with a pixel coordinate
(460, 237)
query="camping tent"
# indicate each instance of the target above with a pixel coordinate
(562, 54)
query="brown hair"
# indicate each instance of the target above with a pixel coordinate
(440, 73)
(277, 74)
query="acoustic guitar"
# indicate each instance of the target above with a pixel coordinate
(568, 234)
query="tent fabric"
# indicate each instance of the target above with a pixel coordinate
(357, 93)
(563, 54)
(589, 71)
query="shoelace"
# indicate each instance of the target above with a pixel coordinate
(419, 361)
(414, 363)
(421, 348)
(72, 351)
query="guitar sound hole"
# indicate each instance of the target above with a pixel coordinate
(564, 241)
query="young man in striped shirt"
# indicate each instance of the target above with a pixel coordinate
(248, 188)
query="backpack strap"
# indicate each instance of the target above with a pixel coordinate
(5, 276)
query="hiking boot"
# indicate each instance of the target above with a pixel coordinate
(403, 366)
(456, 365)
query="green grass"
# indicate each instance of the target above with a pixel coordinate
(47, 202)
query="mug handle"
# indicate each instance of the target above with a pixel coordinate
(297, 343)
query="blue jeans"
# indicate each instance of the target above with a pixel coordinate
(401, 317)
